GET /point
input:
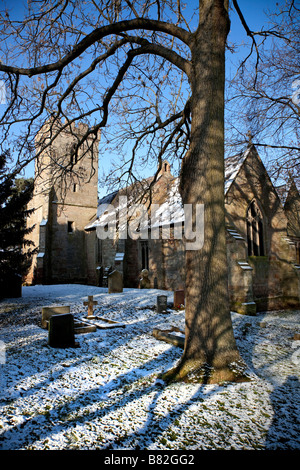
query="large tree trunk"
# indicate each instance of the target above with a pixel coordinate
(210, 348)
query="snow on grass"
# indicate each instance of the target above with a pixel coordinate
(106, 393)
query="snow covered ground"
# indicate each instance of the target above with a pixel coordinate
(105, 393)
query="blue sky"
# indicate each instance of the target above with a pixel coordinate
(253, 12)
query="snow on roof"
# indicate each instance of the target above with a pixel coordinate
(170, 209)
(119, 256)
(232, 167)
(102, 207)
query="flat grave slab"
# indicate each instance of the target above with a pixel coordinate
(83, 327)
(101, 322)
(173, 336)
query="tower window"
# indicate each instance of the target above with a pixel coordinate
(255, 230)
(71, 227)
(74, 155)
(74, 188)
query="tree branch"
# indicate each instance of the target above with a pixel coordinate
(97, 35)
(249, 33)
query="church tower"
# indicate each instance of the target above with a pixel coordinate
(65, 200)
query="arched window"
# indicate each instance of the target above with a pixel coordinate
(145, 254)
(255, 230)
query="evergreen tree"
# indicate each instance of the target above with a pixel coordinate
(14, 260)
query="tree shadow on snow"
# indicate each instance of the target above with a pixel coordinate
(91, 405)
(283, 433)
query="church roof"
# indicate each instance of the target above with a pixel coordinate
(166, 196)
(232, 167)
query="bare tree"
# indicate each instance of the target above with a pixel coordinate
(157, 73)
(264, 96)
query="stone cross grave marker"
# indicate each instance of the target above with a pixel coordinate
(115, 282)
(161, 304)
(61, 332)
(90, 304)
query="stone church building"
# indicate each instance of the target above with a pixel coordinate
(64, 204)
(263, 231)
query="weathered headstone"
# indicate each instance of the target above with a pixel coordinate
(115, 282)
(47, 312)
(90, 304)
(161, 306)
(106, 273)
(61, 331)
(119, 260)
(178, 298)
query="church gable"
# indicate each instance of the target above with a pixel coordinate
(292, 210)
(255, 211)
(260, 258)
(252, 183)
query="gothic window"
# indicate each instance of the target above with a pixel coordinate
(255, 230)
(145, 255)
(99, 251)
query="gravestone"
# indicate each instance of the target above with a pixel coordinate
(178, 298)
(90, 304)
(161, 306)
(61, 331)
(119, 260)
(106, 273)
(115, 282)
(47, 312)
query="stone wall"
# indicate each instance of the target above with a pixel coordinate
(64, 204)
(275, 283)
(254, 283)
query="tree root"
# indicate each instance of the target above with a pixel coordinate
(193, 372)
